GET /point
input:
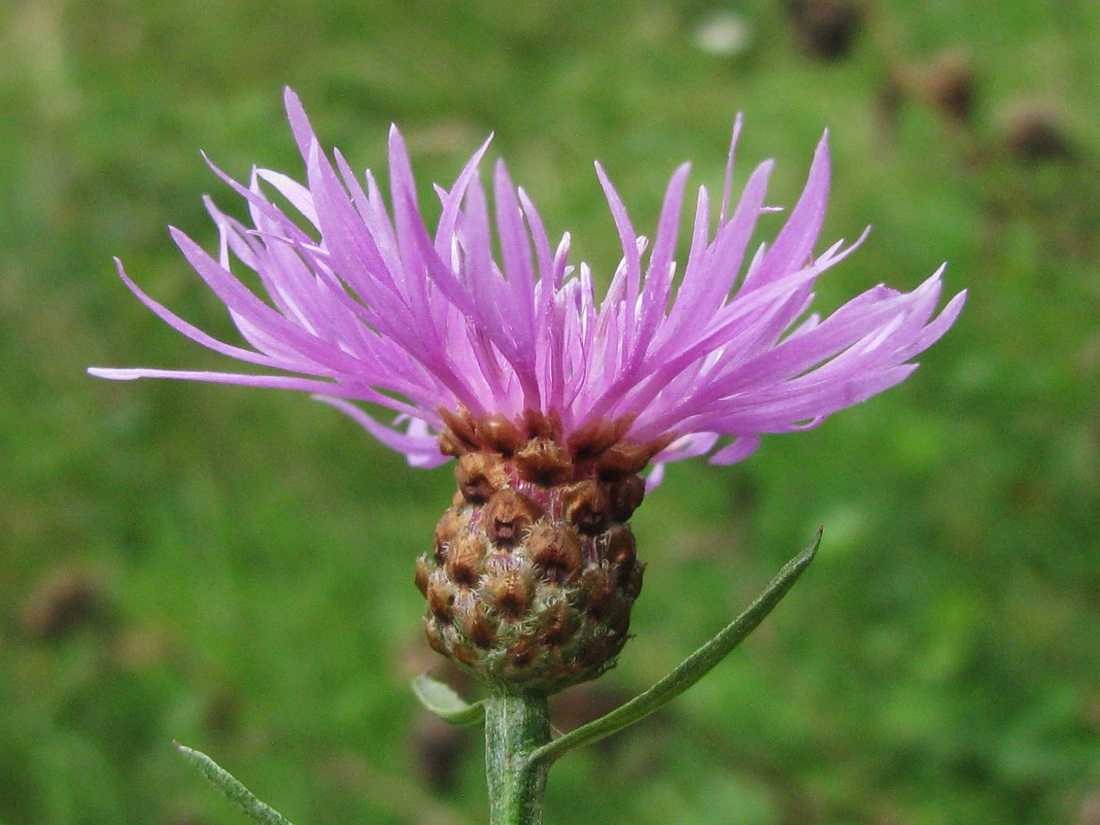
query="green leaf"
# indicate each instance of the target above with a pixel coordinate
(441, 700)
(691, 670)
(237, 793)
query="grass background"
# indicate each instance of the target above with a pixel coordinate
(232, 568)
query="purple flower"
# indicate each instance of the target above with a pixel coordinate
(366, 304)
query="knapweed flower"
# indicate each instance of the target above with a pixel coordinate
(552, 400)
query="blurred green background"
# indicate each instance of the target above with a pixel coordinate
(232, 568)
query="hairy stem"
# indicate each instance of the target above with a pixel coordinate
(516, 725)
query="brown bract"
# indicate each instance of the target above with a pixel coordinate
(626, 496)
(509, 590)
(498, 433)
(449, 526)
(542, 461)
(621, 549)
(627, 458)
(480, 474)
(585, 505)
(464, 557)
(441, 599)
(508, 515)
(556, 551)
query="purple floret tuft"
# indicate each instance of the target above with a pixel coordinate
(364, 303)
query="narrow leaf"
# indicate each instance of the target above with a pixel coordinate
(690, 671)
(237, 793)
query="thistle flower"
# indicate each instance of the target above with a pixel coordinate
(553, 401)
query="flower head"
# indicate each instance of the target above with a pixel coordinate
(365, 303)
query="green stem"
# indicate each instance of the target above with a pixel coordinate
(516, 725)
